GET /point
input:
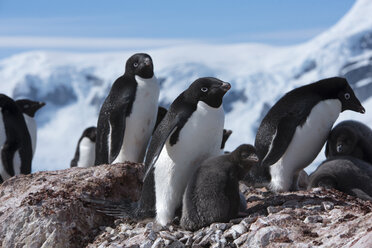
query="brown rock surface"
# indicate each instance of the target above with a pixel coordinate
(44, 210)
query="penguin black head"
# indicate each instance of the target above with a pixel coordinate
(29, 107)
(340, 89)
(209, 90)
(246, 157)
(90, 133)
(140, 64)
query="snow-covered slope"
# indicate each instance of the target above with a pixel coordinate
(75, 85)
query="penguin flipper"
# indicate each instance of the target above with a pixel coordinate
(7, 155)
(161, 134)
(281, 140)
(117, 130)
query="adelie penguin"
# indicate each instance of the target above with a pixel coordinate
(344, 173)
(128, 114)
(190, 132)
(212, 194)
(15, 140)
(295, 129)
(85, 149)
(29, 109)
(350, 138)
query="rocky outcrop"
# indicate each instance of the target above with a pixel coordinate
(44, 210)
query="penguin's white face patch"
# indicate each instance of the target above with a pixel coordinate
(140, 124)
(306, 143)
(87, 153)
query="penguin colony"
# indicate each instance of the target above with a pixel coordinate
(182, 148)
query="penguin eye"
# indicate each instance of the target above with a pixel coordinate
(204, 89)
(135, 64)
(27, 106)
(244, 155)
(347, 96)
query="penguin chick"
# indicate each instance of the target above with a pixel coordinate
(350, 138)
(212, 194)
(344, 173)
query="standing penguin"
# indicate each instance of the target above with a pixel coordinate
(350, 138)
(295, 129)
(212, 194)
(127, 117)
(15, 140)
(29, 108)
(85, 150)
(189, 133)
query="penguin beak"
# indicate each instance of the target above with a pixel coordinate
(253, 158)
(361, 109)
(225, 86)
(339, 148)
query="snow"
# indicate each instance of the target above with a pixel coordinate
(259, 73)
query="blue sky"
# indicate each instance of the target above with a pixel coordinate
(92, 25)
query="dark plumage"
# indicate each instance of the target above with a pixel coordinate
(212, 194)
(350, 138)
(14, 137)
(347, 174)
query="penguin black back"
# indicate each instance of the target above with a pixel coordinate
(212, 194)
(350, 138)
(16, 138)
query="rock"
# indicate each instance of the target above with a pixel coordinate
(328, 205)
(264, 236)
(313, 219)
(45, 208)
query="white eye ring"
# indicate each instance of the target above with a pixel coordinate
(347, 96)
(135, 64)
(204, 89)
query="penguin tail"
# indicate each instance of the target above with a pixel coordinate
(122, 209)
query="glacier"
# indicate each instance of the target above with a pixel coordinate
(74, 85)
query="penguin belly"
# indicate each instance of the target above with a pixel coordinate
(199, 139)
(140, 123)
(31, 127)
(87, 153)
(305, 145)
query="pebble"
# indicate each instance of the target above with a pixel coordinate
(328, 205)
(313, 219)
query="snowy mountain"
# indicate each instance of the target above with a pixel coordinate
(75, 85)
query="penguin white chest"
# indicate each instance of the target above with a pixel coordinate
(306, 143)
(31, 127)
(140, 123)
(87, 153)
(199, 139)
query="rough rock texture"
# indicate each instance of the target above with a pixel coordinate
(44, 210)
(324, 218)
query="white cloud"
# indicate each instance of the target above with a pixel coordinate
(86, 43)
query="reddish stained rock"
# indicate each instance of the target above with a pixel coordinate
(43, 209)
